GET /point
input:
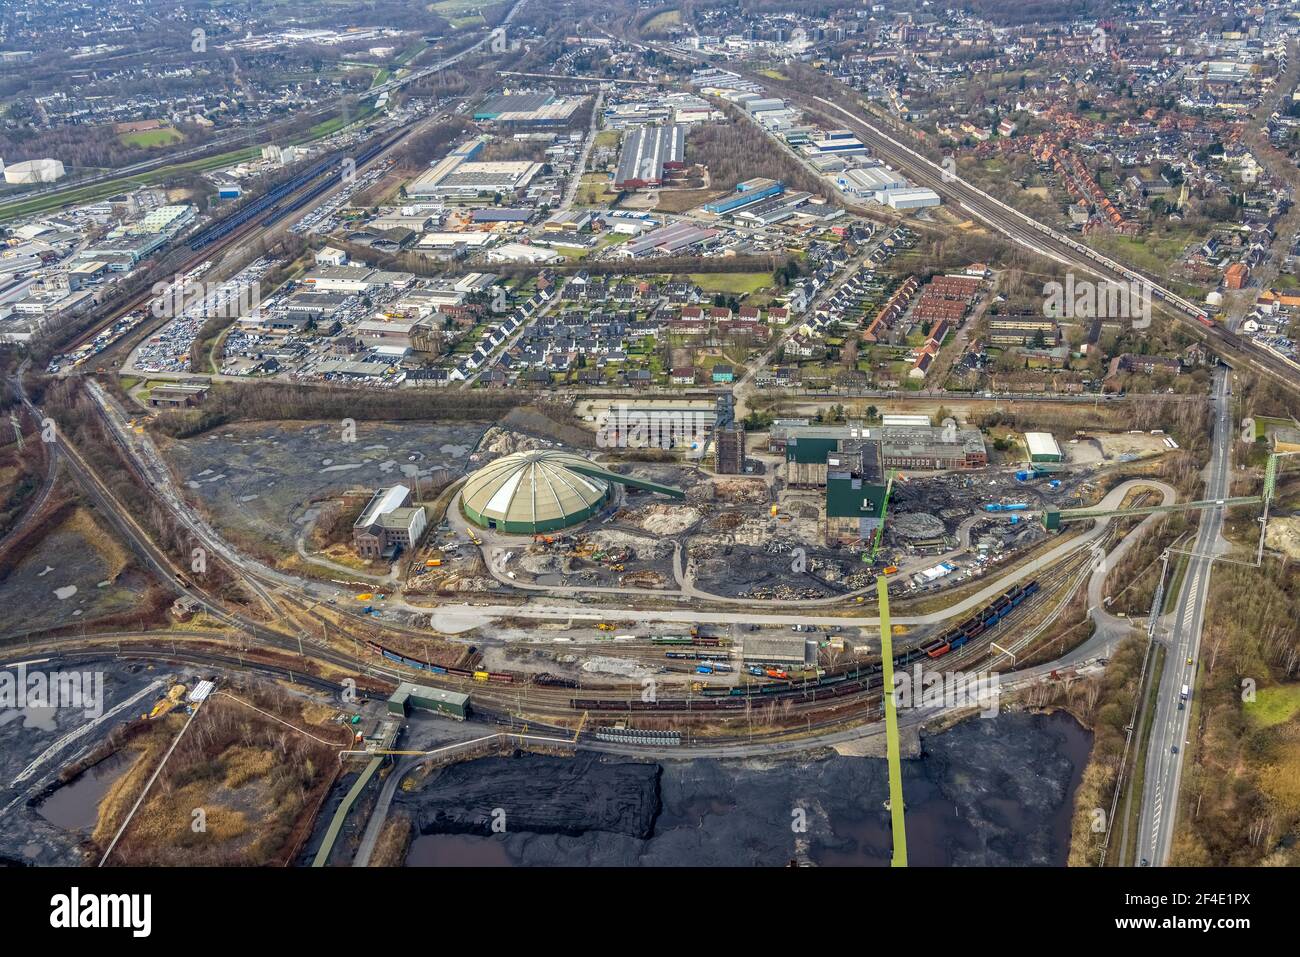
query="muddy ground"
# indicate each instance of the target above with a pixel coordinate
(52, 739)
(256, 480)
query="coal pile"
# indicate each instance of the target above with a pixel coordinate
(539, 795)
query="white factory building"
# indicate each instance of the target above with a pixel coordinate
(460, 176)
(911, 198)
(872, 181)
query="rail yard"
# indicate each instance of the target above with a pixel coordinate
(655, 435)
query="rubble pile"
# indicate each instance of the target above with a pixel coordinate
(662, 519)
(916, 525)
(740, 491)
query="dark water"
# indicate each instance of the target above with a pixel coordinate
(458, 850)
(75, 806)
(988, 792)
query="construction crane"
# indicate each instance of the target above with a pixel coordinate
(884, 508)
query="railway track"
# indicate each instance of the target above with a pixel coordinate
(1017, 226)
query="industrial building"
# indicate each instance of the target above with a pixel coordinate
(459, 176)
(649, 154)
(389, 522)
(28, 172)
(855, 493)
(930, 448)
(777, 650)
(769, 212)
(178, 395)
(1042, 447)
(525, 493)
(810, 450)
(729, 451)
(666, 240)
(471, 179)
(918, 420)
(410, 696)
(835, 143)
(750, 191)
(873, 181)
(522, 110)
(911, 198)
(512, 103)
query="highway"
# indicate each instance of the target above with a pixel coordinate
(1169, 730)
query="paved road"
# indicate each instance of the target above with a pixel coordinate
(455, 618)
(1043, 240)
(1169, 730)
(259, 133)
(580, 167)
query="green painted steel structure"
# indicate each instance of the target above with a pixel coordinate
(893, 751)
(536, 527)
(1053, 519)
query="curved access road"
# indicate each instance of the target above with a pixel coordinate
(459, 617)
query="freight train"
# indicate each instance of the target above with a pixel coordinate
(831, 685)
(499, 677)
(977, 624)
(277, 204)
(548, 680)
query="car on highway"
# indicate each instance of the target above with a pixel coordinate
(1174, 749)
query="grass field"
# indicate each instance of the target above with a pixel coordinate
(151, 138)
(594, 190)
(664, 20)
(732, 283)
(1152, 253)
(455, 10)
(1274, 705)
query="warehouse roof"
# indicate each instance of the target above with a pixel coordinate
(408, 688)
(1042, 443)
(646, 151)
